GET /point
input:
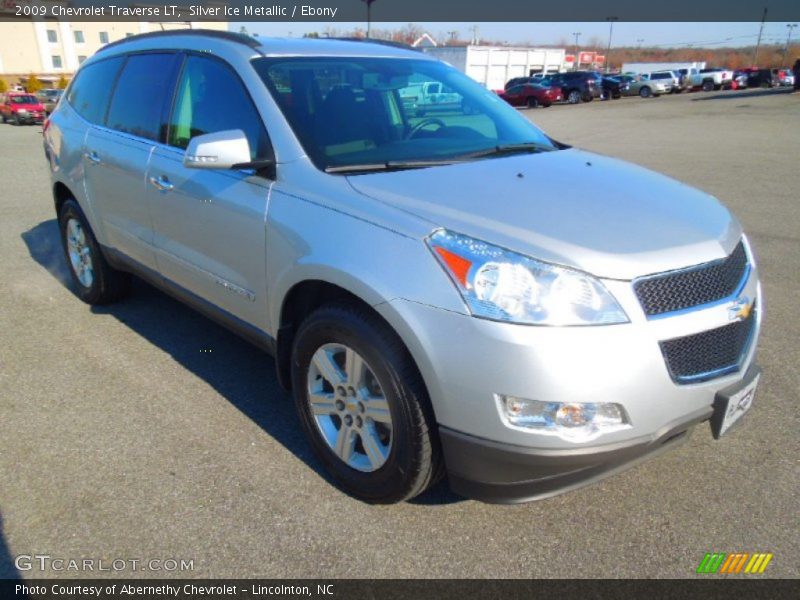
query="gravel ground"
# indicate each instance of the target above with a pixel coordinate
(144, 431)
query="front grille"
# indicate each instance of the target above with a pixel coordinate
(708, 354)
(705, 283)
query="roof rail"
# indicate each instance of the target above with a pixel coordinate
(214, 33)
(391, 43)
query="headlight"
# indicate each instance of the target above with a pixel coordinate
(505, 286)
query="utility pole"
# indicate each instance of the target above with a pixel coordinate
(474, 30)
(577, 34)
(790, 27)
(640, 41)
(610, 33)
(760, 32)
(369, 16)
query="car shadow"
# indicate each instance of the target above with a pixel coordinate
(242, 374)
(8, 570)
(743, 94)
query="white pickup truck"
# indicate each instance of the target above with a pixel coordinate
(429, 96)
(710, 79)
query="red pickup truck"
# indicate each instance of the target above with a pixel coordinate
(20, 107)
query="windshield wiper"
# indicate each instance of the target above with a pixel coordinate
(390, 165)
(508, 149)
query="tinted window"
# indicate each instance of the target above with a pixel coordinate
(91, 90)
(211, 98)
(143, 90)
(350, 111)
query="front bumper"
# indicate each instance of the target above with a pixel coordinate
(505, 474)
(466, 361)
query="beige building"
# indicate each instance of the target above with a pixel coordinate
(50, 48)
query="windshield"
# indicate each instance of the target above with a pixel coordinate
(23, 100)
(350, 111)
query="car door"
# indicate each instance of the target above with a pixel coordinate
(210, 231)
(117, 152)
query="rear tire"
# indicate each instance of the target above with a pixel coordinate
(382, 462)
(708, 85)
(574, 97)
(96, 282)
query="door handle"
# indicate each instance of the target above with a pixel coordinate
(93, 157)
(162, 183)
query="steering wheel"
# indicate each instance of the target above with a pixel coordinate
(422, 124)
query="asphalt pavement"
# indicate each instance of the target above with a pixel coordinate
(143, 431)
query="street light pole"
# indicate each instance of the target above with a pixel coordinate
(577, 34)
(790, 27)
(610, 33)
(369, 19)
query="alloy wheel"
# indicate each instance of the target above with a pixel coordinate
(80, 254)
(349, 407)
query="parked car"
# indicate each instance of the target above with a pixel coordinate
(739, 80)
(784, 76)
(455, 295)
(21, 109)
(577, 86)
(762, 78)
(612, 88)
(673, 78)
(647, 88)
(49, 98)
(532, 95)
(535, 78)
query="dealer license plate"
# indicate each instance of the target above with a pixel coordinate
(731, 404)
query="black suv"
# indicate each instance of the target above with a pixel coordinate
(578, 86)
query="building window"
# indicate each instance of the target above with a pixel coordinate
(79, 37)
(52, 36)
(81, 59)
(103, 37)
(56, 61)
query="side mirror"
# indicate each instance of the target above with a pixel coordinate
(221, 150)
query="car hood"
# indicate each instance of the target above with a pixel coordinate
(591, 212)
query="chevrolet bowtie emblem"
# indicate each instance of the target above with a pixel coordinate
(740, 310)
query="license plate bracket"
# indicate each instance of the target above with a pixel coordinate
(733, 402)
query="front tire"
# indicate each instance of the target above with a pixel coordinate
(96, 282)
(363, 405)
(533, 103)
(574, 97)
(645, 92)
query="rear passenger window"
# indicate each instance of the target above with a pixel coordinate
(90, 92)
(211, 98)
(143, 90)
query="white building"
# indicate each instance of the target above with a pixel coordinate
(50, 48)
(494, 65)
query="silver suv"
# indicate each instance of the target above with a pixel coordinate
(455, 295)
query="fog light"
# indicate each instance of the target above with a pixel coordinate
(572, 421)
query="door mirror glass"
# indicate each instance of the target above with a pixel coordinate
(221, 150)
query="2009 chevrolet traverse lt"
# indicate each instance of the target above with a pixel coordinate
(434, 300)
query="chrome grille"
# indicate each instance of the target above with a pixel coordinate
(687, 288)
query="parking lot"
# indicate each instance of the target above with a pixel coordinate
(144, 431)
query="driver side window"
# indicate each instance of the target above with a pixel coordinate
(211, 98)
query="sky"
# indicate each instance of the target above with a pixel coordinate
(701, 35)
